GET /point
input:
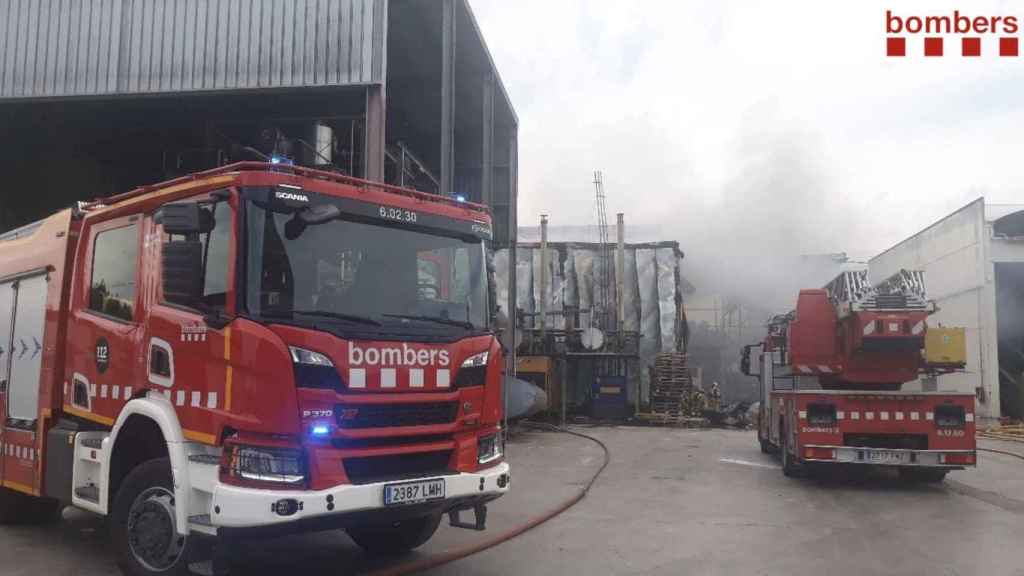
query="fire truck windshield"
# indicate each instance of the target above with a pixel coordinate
(376, 276)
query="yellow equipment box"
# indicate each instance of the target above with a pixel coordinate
(945, 346)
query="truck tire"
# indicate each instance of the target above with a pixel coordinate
(790, 468)
(397, 538)
(12, 506)
(18, 508)
(143, 525)
(927, 475)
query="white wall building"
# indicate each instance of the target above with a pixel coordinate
(973, 262)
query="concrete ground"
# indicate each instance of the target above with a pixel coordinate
(671, 502)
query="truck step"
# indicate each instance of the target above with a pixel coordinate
(95, 443)
(90, 493)
(202, 520)
(212, 459)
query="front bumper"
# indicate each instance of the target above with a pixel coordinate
(241, 507)
(884, 456)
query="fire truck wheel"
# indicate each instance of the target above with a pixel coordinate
(13, 506)
(789, 466)
(928, 475)
(143, 525)
(397, 538)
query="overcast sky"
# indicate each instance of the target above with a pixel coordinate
(767, 126)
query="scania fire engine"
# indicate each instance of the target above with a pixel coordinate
(831, 375)
(252, 349)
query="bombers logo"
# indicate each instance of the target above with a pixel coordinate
(396, 356)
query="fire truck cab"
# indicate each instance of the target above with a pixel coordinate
(252, 349)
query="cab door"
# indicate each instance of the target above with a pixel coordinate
(6, 319)
(104, 327)
(188, 343)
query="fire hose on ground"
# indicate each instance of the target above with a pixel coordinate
(448, 556)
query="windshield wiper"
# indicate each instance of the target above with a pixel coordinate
(327, 314)
(437, 319)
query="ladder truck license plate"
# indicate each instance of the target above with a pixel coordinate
(413, 492)
(885, 457)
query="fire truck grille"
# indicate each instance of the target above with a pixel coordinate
(392, 415)
(369, 469)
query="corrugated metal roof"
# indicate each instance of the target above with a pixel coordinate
(52, 48)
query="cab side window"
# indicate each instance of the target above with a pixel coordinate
(216, 246)
(114, 261)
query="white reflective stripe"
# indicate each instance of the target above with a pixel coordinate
(803, 414)
(804, 369)
(854, 415)
(92, 390)
(918, 328)
(443, 378)
(825, 369)
(65, 388)
(869, 415)
(416, 378)
(127, 392)
(357, 378)
(180, 400)
(929, 416)
(969, 417)
(211, 400)
(869, 328)
(197, 398)
(103, 391)
(883, 415)
(167, 394)
(183, 337)
(388, 377)
(894, 326)
(915, 415)
(899, 415)
(840, 415)
(115, 392)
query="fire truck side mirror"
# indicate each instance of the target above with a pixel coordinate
(182, 271)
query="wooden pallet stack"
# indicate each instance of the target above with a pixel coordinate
(673, 397)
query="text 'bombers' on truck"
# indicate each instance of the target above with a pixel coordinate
(831, 374)
(252, 349)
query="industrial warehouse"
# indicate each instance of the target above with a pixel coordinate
(302, 286)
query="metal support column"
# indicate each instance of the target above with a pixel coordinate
(487, 156)
(374, 144)
(448, 15)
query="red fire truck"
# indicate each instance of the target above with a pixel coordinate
(831, 374)
(251, 349)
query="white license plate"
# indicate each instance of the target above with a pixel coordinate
(885, 457)
(413, 492)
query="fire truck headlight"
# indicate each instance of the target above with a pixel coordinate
(266, 465)
(473, 371)
(488, 448)
(303, 356)
(314, 370)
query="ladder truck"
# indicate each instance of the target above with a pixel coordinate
(831, 374)
(252, 350)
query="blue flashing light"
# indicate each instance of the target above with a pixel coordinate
(460, 198)
(275, 159)
(320, 430)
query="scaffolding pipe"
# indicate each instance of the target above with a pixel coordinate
(542, 302)
(620, 273)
